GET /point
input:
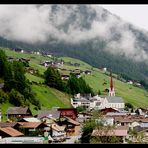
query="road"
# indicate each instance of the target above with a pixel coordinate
(72, 139)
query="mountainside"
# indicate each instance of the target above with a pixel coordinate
(86, 32)
(50, 97)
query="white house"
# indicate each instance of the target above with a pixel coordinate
(58, 132)
(99, 102)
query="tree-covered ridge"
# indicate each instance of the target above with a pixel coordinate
(73, 86)
(17, 89)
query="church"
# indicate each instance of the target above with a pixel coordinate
(114, 101)
(99, 102)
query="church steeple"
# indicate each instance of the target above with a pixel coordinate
(111, 89)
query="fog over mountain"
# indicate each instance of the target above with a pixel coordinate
(73, 24)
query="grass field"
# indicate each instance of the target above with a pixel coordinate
(50, 97)
(31, 78)
(134, 95)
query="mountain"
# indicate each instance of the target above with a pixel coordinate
(87, 32)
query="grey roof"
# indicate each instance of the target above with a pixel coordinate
(114, 99)
(144, 125)
(46, 113)
(17, 110)
(80, 100)
(116, 114)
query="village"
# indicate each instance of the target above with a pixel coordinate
(65, 125)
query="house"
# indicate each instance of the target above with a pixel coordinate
(80, 102)
(9, 132)
(108, 110)
(77, 72)
(72, 127)
(64, 77)
(46, 63)
(17, 49)
(14, 125)
(31, 70)
(68, 112)
(17, 113)
(32, 128)
(45, 115)
(106, 121)
(130, 82)
(120, 132)
(130, 121)
(87, 72)
(58, 132)
(30, 119)
(83, 117)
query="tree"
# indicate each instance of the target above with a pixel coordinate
(19, 77)
(81, 109)
(16, 98)
(8, 78)
(73, 84)
(3, 97)
(53, 79)
(3, 63)
(129, 106)
(78, 85)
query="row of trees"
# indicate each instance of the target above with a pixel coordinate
(16, 86)
(73, 86)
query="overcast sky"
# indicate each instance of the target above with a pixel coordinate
(136, 14)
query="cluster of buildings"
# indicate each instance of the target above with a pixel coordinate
(99, 102)
(48, 126)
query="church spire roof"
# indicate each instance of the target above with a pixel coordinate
(111, 81)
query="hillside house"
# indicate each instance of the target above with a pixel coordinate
(77, 72)
(87, 72)
(17, 113)
(65, 77)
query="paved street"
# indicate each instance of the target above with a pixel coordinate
(72, 139)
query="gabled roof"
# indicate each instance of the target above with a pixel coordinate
(49, 113)
(114, 99)
(72, 121)
(31, 119)
(17, 110)
(57, 127)
(11, 131)
(119, 131)
(7, 124)
(31, 124)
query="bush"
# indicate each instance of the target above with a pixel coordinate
(3, 97)
(16, 98)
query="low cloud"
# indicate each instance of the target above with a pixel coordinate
(37, 23)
